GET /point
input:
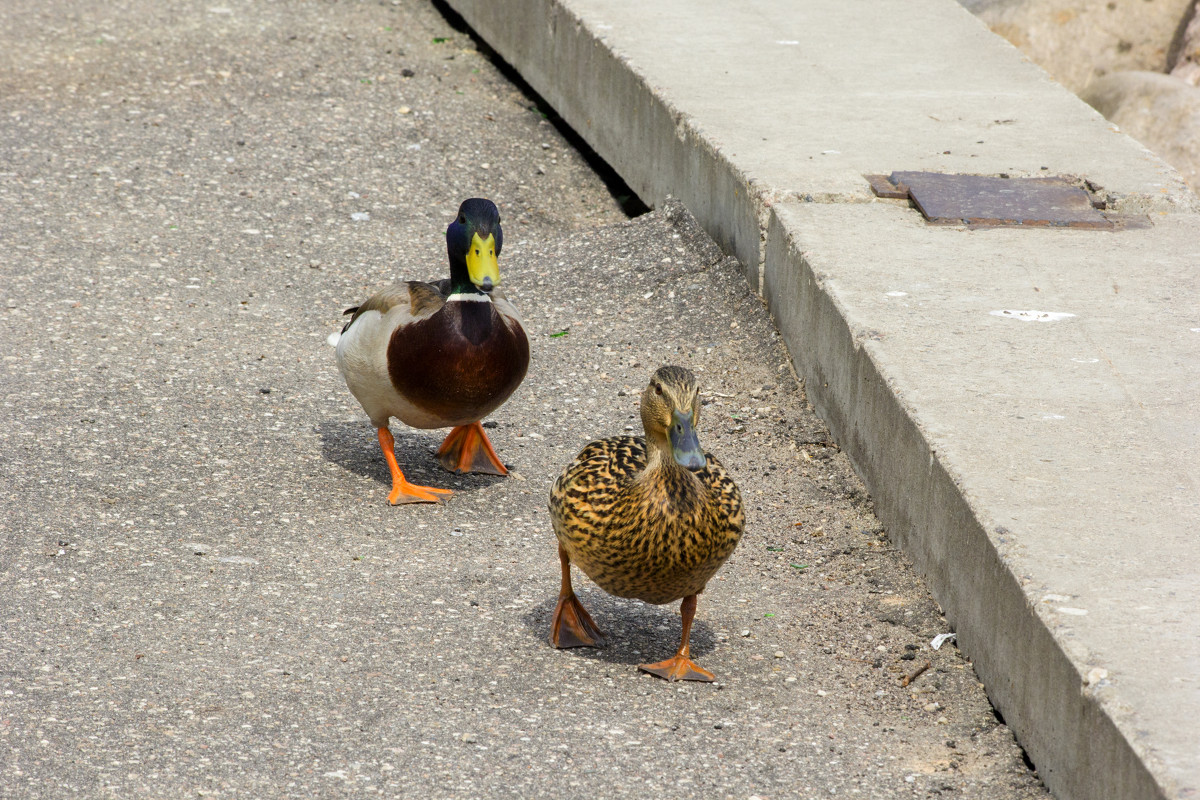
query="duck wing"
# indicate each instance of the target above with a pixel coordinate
(504, 306)
(421, 298)
(585, 492)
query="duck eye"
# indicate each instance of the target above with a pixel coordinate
(657, 389)
(462, 219)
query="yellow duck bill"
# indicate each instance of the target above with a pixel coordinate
(482, 265)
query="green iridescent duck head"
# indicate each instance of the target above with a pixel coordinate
(473, 242)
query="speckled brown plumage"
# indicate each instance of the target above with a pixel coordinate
(656, 537)
(638, 522)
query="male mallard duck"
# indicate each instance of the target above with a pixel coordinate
(649, 517)
(441, 354)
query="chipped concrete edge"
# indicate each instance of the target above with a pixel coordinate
(1083, 748)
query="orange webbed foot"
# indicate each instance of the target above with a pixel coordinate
(573, 626)
(402, 490)
(467, 449)
(679, 668)
(405, 492)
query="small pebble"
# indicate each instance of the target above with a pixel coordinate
(779, 654)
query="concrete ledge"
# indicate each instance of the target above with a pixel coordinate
(732, 107)
(1011, 489)
(1044, 475)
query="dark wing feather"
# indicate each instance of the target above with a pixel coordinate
(590, 485)
(657, 536)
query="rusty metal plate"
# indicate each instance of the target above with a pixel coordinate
(882, 187)
(985, 201)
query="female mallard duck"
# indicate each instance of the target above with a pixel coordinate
(442, 354)
(652, 518)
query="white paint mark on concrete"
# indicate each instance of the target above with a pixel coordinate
(1031, 315)
(897, 294)
(788, 41)
(360, 216)
(1086, 360)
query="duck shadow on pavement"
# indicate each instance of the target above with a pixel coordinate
(354, 446)
(634, 632)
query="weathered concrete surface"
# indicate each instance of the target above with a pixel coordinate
(750, 109)
(1043, 474)
(731, 107)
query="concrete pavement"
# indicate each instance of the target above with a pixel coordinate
(1020, 403)
(202, 590)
